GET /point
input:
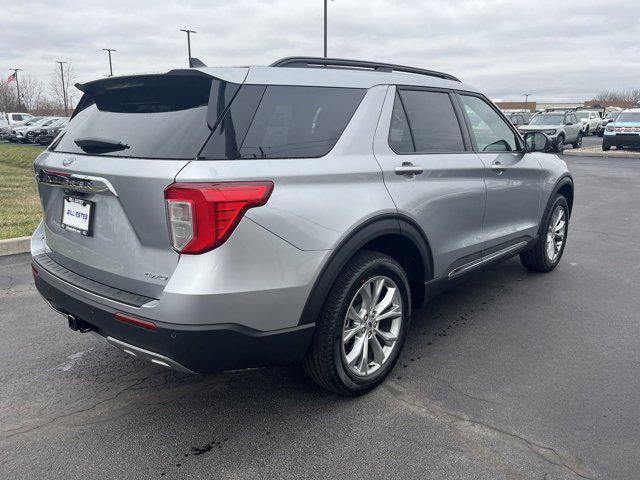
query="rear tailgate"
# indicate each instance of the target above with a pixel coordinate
(102, 184)
(127, 246)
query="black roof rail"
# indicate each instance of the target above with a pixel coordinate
(302, 62)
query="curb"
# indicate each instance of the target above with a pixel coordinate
(13, 246)
(610, 154)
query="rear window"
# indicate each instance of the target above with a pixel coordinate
(154, 116)
(283, 122)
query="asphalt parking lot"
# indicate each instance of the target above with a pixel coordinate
(590, 141)
(510, 375)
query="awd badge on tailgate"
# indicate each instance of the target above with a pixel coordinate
(156, 277)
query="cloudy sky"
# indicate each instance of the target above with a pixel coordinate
(555, 50)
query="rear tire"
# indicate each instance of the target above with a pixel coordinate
(349, 323)
(548, 249)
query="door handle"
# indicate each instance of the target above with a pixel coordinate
(408, 169)
(498, 167)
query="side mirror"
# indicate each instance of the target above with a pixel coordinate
(536, 142)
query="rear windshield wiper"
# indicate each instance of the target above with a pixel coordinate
(100, 145)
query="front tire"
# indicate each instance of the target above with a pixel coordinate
(362, 327)
(578, 142)
(548, 249)
(560, 144)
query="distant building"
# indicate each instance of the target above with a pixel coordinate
(519, 106)
(600, 103)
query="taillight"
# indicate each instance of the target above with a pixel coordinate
(202, 216)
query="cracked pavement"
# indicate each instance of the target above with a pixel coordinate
(509, 375)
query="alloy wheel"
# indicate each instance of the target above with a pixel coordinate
(372, 326)
(556, 234)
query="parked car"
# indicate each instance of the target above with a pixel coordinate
(624, 132)
(590, 120)
(46, 134)
(16, 133)
(562, 127)
(31, 134)
(608, 118)
(252, 216)
(4, 128)
(15, 119)
(519, 118)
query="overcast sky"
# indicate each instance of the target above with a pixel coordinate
(555, 50)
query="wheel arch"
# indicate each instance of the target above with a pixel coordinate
(564, 186)
(395, 235)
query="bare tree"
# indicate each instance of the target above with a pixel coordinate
(8, 97)
(31, 92)
(632, 95)
(55, 86)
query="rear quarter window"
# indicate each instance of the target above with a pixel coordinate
(284, 122)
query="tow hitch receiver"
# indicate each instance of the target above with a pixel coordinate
(78, 325)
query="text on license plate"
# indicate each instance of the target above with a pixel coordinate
(76, 215)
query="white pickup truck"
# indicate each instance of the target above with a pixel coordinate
(590, 120)
(9, 120)
(15, 118)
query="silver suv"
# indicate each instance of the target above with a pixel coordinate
(222, 218)
(561, 127)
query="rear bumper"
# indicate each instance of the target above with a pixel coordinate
(189, 348)
(632, 141)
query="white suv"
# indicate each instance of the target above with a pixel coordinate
(590, 120)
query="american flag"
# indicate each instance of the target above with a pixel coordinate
(11, 78)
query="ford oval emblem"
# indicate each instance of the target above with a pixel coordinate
(68, 161)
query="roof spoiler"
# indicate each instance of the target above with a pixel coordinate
(196, 63)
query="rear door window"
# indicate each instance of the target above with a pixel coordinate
(432, 121)
(147, 116)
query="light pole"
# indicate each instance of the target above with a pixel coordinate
(109, 50)
(64, 90)
(188, 32)
(15, 74)
(325, 27)
(526, 98)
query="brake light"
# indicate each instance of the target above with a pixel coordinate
(202, 216)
